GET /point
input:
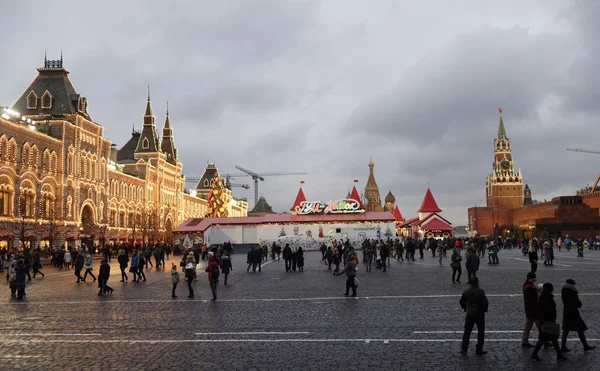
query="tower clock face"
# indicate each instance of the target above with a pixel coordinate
(505, 165)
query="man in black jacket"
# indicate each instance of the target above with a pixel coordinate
(287, 256)
(475, 304)
(123, 260)
(530, 297)
(472, 264)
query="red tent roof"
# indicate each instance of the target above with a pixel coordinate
(397, 215)
(429, 205)
(437, 224)
(299, 199)
(354, 195)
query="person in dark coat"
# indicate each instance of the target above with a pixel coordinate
(123, 260)
(547, 314)
(78, 264)
(287, 256)
(456, 268)
(250, 259)
(226, 266)
(300, 258)
(530, 298)
(475, 304)
(472, 264)
(103, 276)
(21, 274)
(572, 320)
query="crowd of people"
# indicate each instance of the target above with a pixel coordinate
(343, 258)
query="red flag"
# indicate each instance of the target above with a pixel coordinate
(355, 180)
(302, 182)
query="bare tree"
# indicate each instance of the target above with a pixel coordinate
(52, 218)
(23, 229)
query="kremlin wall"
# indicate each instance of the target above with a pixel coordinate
(510, 210)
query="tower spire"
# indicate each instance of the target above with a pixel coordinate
(501, 129)
(148, 104)
(167, 144)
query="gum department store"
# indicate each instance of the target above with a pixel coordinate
(61, 181)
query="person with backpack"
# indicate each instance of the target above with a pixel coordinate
(213, 276)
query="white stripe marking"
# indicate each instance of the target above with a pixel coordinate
(255, 300)
(460, 332)
(269, 262)
(256, 333)
(170, 341)
(48, 334)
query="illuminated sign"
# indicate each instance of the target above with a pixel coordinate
(346, 206)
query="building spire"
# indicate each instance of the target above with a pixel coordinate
(167, 144)
(501, 129)
(148, 104)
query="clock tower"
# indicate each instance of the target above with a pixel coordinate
(504, 186)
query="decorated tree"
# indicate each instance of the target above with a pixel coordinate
(388, 232)
(217, 199)
(282, 232)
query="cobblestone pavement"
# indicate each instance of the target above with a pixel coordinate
(407, 318)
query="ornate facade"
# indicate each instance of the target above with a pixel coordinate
(61, 176)
(372, 197)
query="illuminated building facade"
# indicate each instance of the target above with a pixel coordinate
(61, 180)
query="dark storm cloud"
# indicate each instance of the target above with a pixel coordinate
(322, 86)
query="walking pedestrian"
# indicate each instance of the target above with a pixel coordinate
(350, 270)
(533, 256)
(37, 265)
(20, 275)
(213, 276)
(141, 265)
(88, 268)
(78, 264)
(226, 266)
(456, 258)
(123, 260)
(103, 276)
(135, 262)
(174, 280)
(550, 330)
(12, 278)
(472, 264)
(572, 320)
(475, 304)
(189, 274)
(530, 299)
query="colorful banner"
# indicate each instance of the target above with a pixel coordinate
(345, 206)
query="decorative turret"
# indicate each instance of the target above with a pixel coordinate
(148, 142)
(167, 145)
(355, 196)
(527, 200)
(396, 213)
(372, 191)
(428, 205)
(299, 198)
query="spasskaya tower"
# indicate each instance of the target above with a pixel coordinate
(504, 186)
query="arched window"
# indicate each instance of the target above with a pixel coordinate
(46, 100)
(6, 191)
(25, 154)
(27, 202)
(32, 100)
(145, 143)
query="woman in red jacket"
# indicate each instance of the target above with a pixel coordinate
(213, 276)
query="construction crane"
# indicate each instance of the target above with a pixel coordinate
(588, 151)
(228, 184)
(256, 177)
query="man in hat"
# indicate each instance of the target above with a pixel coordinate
(475, 304)
(572, 320)
(530, 297)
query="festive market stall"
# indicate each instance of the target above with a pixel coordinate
(310, 223)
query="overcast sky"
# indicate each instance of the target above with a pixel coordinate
(323, 86)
